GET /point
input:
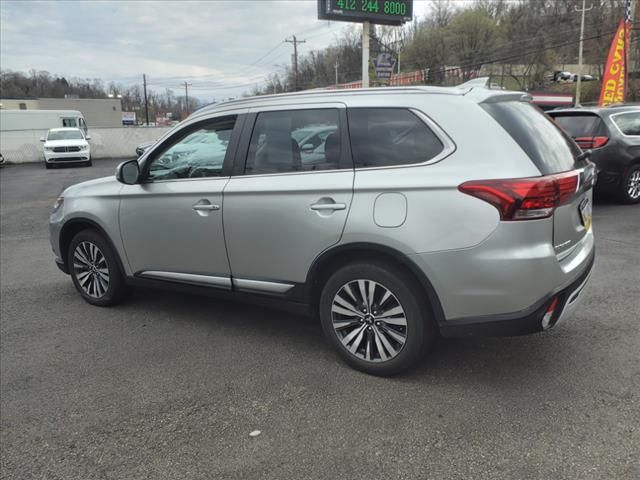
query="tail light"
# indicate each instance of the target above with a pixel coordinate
(525, 198)
(591, 142)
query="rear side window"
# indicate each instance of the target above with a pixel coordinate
(384, 137)
(548, 147)
(583, 125)
(295, 141)
(628, 123)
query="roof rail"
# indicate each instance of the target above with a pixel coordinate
(322, 92)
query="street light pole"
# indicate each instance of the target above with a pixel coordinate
(579, 81)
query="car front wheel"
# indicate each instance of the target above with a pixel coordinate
(374, 316)
(95, 270)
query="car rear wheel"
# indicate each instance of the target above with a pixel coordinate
(630, 190)
(95, 270)
(375, 318)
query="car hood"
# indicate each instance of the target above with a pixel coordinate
(100, 186)
(65, 143)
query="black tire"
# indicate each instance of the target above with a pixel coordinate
(89, 163)
(101, 295)
(420, 330)
(629, 181)
(47, 165)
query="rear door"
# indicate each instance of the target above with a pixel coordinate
(281, 212)
(553, 152)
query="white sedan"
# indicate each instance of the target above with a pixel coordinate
(66, 145)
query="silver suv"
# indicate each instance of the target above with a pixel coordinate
(395, 214)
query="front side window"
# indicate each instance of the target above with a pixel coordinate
(82, 124)
(383, 137)
(628, 123)
(200, 152)
(294, 141)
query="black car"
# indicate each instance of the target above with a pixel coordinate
(613, 135)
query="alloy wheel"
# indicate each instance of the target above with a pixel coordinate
(90, 269)
(369, 320)
(633, 185)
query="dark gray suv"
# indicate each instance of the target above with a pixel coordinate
(613, 135)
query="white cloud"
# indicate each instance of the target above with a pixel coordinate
(212, 44)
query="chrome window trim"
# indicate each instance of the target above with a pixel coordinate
(448, 148)
(612, 117)
(448, 145)
(279, 174)
(171, 180)
(261, 285)
(189, 278)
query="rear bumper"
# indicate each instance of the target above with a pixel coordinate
(525, 321)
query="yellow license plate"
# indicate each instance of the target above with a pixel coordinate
(586, 213)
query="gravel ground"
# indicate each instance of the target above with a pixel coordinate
(171, 385)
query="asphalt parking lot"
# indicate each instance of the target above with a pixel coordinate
(170, 385)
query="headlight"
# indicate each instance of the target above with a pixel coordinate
(49, 149)
(83, 147)
(58, 203)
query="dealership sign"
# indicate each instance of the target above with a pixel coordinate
(384, 12)
(384, 65)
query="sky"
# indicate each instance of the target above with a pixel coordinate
(222, 47)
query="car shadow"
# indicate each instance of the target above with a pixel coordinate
(500, 363)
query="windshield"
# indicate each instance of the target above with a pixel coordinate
(65, 135)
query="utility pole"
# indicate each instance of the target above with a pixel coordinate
(336, 67)
(295, 42)
(366, 27)
(186, 95)
(146, 104)
(582, 11)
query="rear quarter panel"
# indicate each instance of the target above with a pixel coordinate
(438, 216)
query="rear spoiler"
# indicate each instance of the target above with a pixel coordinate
(485, 92)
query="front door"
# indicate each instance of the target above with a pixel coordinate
(286, 205)
(171, 223)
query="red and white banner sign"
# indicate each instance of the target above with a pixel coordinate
(613, 81)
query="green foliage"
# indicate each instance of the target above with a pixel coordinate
(525, 39)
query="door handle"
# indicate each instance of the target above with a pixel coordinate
(206, 207)
(319, 207)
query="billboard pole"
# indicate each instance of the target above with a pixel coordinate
(579, 79)
(366, 26)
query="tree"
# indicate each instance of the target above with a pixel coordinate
(475, 35)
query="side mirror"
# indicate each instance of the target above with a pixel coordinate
(88, 137)
(42, 139)
(128, 172)
(307, 148)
